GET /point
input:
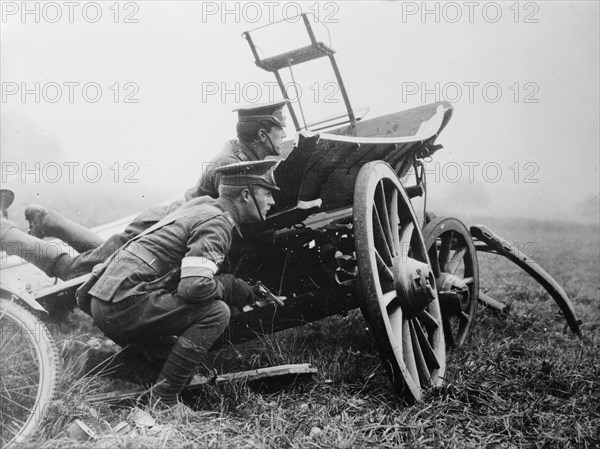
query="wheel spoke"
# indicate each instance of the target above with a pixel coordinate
(395, 321)
(32, 363)
(384, 216)
(387, 298)
(383, 268)
(6, 343)
(428, 321)
(26, 350)
(428, 351)
(421, 365)
(6, 398)
(456, 259)
(20, 395)
(394, 219)
(445, 247)
(405, 237)
(434, 261)
(448, 332)
(14, 419)
(26, 387)
(407, 349)
(379, 237)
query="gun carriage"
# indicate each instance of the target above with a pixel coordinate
(343, 235)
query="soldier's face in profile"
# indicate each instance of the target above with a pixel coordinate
(264, 199)
(277, 134)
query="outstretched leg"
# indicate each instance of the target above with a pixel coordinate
(47, 256)
(47, 223)
(7, 197)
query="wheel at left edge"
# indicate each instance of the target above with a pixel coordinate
(28, 372)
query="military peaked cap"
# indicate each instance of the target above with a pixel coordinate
(271, 112)
(250, 173)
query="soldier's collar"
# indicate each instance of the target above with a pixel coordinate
(226, 205)
(248, 150)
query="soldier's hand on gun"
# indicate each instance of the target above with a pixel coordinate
(265, 295)
(237, 293)
(244, 296)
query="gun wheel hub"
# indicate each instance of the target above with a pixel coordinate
(415, 285)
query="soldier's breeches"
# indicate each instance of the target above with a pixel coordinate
(84, 263)
(190, 351)
(142, 320)
(49, 256)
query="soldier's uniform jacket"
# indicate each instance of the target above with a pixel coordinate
(233, 151)
(193, 241)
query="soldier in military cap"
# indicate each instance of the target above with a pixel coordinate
(260, 131)
(168, 280)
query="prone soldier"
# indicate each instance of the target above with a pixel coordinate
(260, 130)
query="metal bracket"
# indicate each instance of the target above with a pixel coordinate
(301, 55)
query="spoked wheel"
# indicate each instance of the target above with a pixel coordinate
(28, 372)
(397, 284)
(454, 262)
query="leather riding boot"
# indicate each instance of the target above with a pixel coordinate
(47, 223)
(7, 197)
(47, 256)
(189, 352)
(178, 370)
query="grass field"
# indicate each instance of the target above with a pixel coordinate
(522, 380)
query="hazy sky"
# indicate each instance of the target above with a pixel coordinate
(143, 91)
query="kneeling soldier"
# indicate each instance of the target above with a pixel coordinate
(167, 282)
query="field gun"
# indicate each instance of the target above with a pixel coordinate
(343, 235)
